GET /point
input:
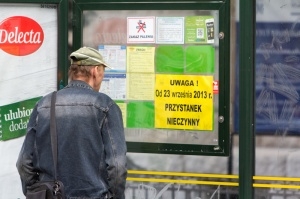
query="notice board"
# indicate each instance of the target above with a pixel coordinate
(170, 71)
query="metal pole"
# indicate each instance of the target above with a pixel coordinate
(246, 98)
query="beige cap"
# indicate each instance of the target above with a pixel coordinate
(87, 56)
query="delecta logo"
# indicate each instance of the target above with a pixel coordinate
(14, 118)
(20, 35)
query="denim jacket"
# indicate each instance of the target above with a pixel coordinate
(91, 144)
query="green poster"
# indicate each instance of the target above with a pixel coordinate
(140, 115)
(200, 59)
(170, 59)
(199, 29)
(14, 118)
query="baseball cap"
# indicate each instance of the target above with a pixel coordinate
(87, 56)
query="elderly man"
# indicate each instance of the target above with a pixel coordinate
(91, 141)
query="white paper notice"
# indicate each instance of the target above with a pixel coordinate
(115, 56)
(141, 30)
(114, 85)
(170, 30)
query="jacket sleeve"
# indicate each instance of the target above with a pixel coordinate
(27, 172)
(115, 150)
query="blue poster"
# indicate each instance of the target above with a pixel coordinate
(277, 80)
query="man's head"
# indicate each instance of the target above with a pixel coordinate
(87, 64)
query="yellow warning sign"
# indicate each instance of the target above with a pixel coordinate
(184, 102)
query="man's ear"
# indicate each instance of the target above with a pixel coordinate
(93, 71)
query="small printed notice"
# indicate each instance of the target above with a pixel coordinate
(216, 87)
(115, 56)
(140, 59)
(14, 118)
(140, 29)
(140, 86)
(114, 85)
(170, 30)
(199, 29)
(184, 102)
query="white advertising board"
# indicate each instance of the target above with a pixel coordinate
(28, 57)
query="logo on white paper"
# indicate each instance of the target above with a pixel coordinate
(140, 29)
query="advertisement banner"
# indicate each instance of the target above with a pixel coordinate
(28, 51)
